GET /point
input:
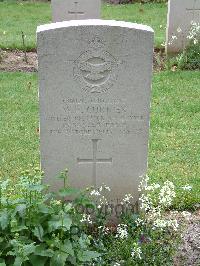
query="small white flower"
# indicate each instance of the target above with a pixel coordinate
(186, 215)
(195, 41)
(104, 187)
(143, 183)
(167, 193)
(193, 23)
(95, 193)
(86, 218)
(179, 30)
(56, 202)
(149, 188)
(152, 187)
(4, 185)
(174, 37)
(162, 224)
(145, 202)
(122, 231)
(127, 199)
(159, 223)
(136, 252)
(173, 223)
(154, 213)
(105, 230)
(139, 222)
(107, 188)
(157, 186)
(187, 187)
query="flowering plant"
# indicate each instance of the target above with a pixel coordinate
(189, 58)
(38, 227)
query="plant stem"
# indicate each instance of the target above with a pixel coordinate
(24, 47)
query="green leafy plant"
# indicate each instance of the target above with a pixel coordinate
(38, 229)
(42, 228)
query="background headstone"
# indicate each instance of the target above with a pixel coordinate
(95, 81)
(180, 15)
(63, 10)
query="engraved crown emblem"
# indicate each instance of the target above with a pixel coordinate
(97, 43)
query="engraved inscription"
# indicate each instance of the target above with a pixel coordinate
(96, 117)
(94, 161)
(95, 69)
(75, 12)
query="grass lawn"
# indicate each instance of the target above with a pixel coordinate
(16, 17)
(174, 131)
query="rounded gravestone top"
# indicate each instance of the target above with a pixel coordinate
(93, 22)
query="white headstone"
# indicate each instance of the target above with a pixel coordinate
(63, 10)
(181, 13)
(95, 82)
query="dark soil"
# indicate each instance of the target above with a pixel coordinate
(12, 61)
(189, 251)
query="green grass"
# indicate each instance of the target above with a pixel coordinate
(19, 139)
(174, 134)
(16, 17)
(174, 150)
(154, 15)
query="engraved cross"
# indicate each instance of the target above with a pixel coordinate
(94, 161)
(76, 12)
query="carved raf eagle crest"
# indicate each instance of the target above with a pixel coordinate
(95, 69)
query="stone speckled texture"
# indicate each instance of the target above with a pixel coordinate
(95, 83)
(63, 10)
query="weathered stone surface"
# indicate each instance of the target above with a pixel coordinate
(95, 81)
(63, 10)
(181, 13)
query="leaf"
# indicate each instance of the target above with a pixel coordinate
(44, 209)
(38, 232)
(83, 242)
(84, 201)
(37, 187)
(37, 260)
(87, 256)
(4, 219)
(68, 207)
(1, 240)
(67, 222)
(28, 249)
(43, 251)
(18, 261)
(19, 228)
(58, 259)
(21, 209)
(66, 192)
(58, 222)
(67, 247)
(2, 262)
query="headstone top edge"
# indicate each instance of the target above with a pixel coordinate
(93, 22)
